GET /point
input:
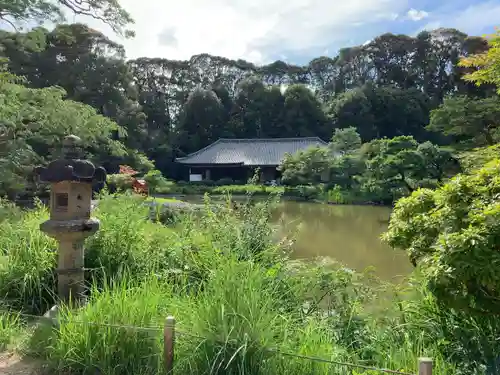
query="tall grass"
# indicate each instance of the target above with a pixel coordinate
(236, 296)
(27, 260)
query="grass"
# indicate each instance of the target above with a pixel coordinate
(232, 288)
(303, 192)
(162, 200)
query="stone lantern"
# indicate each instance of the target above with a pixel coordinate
(70, 223)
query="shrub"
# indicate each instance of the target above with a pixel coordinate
(156, 182)
(225, 181)
(119, 182)
(453, 233)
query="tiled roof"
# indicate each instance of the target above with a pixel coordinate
(263, 151)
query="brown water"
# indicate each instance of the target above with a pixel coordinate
(347, 234)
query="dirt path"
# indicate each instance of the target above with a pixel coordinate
(12, 364)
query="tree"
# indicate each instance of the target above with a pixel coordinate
(439, 162)
(452, 233)
(345, 141)
(201, 121)
(87, 65)
(379, 112)
(258, 111)
(486, 65)
(107, 11)
(306, 166)
(393, 60)
(467, 119)
(303, 114)
(33, 124)
(394, 167)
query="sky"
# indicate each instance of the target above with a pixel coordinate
(295, 31)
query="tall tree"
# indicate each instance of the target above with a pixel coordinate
(107, 11)
(379, 112)
(33, 124)
(468, 120)
(485, 65)
(303, 114)
(89, 66)
(258, 111)
(201, 121)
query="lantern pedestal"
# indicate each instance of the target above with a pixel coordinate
(70, 223)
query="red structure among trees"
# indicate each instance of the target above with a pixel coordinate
(139, 186)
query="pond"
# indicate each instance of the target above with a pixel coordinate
(347, 234)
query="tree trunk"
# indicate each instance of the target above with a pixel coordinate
(403, 180)
(489, 138)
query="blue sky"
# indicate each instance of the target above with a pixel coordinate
(292, 30)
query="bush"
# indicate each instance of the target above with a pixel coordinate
(156, 182)
(119, 182)
(225, 181)
(230, 285)
(453, 233)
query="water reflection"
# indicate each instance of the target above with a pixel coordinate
(349, 234)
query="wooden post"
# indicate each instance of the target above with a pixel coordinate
(169, 342)
(425, 366)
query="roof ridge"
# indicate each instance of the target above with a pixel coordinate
(199, 151)
(269, 139)
(249, 140)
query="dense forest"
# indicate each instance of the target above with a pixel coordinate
(74, 78)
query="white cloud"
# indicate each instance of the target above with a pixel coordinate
(473, 20)
(257, 31)
(417, 15)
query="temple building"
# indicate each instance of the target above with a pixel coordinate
(237, 159)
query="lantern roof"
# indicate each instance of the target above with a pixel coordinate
(71, 167)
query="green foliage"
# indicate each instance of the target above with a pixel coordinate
(453, 233)
(107, 11)
(10, 325)
(379, 112)
(378, 171)
(486, 65)
(156, 182)
(34, 121)
(397, 166)
(119, 182)
(27, 259)
(345, 141)
(306, 166)
(478, 157)
(473, 120)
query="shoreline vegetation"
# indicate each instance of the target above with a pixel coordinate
(233, 288)
(223, 278)
(411, 121)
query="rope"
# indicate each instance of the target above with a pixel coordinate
(188, 334)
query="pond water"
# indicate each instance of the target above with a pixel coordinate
(347, 234)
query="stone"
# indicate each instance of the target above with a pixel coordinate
(70, 223)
